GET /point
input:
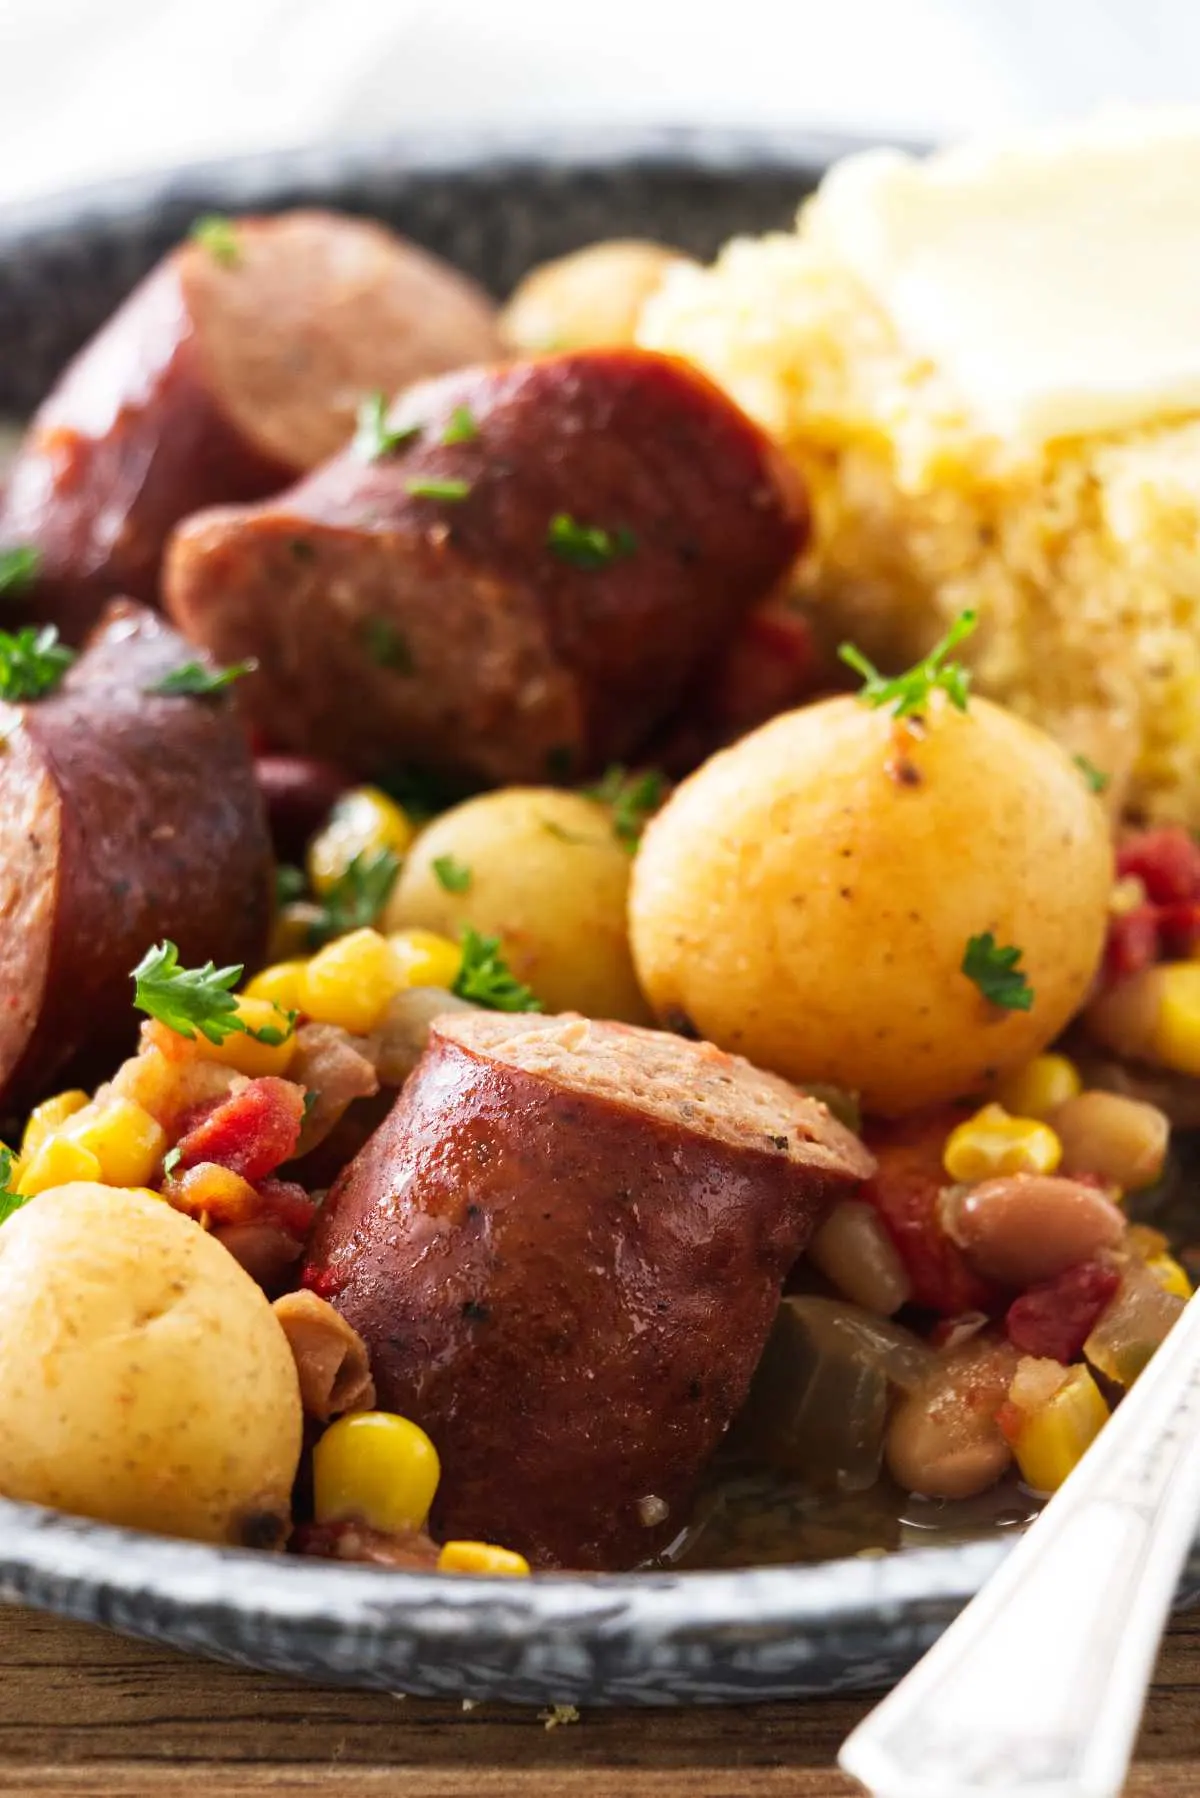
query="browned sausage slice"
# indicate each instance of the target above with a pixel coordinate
(424, 606)
(124, 818)
(564, 1249)
(223, 377)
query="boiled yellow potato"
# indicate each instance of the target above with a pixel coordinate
(806, 898)
(146, 1380)
(546, 873)
(588, 299)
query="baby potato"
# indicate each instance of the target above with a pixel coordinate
(545, 872)
(146, 1380)
(588, 299)
(806, 897)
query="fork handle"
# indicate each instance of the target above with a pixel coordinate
(1037, 1688)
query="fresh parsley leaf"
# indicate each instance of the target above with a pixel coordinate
(310, 1098)
(461, 428)
(290, 884)
(171, 1160)
(18, 567)
(373, 436)
(588, 546)
(32, 662)
(453, 876)
(10, 1200)
(357, 897)
(192, 680)
(386, 646)
(424, 487)
(1095, 777)
(995, 972)
(218, 235)
(191, 1000)
(908, 694)
(485, 978)
(633, 798)
(187, 1000)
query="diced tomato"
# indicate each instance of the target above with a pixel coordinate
(1132, 942)
(1166, 924)
(1055, 1319)
(252, 1131)
(905, 1191)
(287, 1202)
(1166, 860)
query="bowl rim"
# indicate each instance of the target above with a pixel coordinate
(499, 150)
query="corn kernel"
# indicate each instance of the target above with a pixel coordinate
(1051, 1440)
(992, 1143)
(247, 1053)
(362, 822)
(377, 1468)
(47, 1117)
(280, 983)
(1170, 1275)
(352, 981)
(425, 958)
(1040, 1087)
(481, 1557)
(126, 1141)
(57, 1163)
(1175, 1036)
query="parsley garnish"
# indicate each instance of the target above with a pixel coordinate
(171, 1160)
(188, 1000)
(461, 428)
(18, 567)
(1095, 777)
(32, 662)
(484, 976)
(634, 798)
(290, 884)
(386, 646)
(373, 436)
(424, 487)
(10, 1200)
(194, 681)
(357, 897)
(588, 546)
(908, 694)
(454, 876)
(996, 974)
(218, 235)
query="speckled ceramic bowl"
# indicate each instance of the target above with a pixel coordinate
(494, 208)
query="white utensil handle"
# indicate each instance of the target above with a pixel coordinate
(1037, 1688)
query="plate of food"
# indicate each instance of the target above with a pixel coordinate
(600, 997)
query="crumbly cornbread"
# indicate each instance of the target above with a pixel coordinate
(1081, 556)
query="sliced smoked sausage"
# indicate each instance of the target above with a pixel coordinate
(237, 364)
(124, 818)
(521, 586)
(564, 1250)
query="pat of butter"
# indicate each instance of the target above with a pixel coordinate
(1054, 279)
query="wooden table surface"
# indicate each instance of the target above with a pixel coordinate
(88, 1714)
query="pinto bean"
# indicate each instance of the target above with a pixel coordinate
(943, 1439)
(854, 1251)
(1124, 1141)
(1022, 1228)
(331, 1358)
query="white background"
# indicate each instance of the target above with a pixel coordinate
(99, 87)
